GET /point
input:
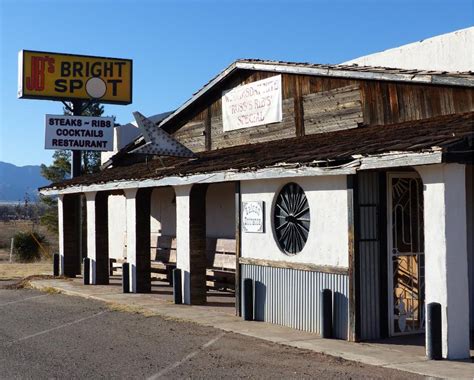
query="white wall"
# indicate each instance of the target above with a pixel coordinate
(446, 273)
(131, 238)
(328, 238)
(117, 226)
(220, 211)
(61, 232)
(91, 234)
(163, 211)
(447, 52)
(183, 237)
(470, 235)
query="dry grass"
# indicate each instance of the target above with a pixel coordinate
(131, 309)
(25, 283)
(9, 229)
(51, 290)
(10, 271)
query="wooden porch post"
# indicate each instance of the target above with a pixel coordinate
(138, 239)
(70, 253)
(98, 237)
(197, 235)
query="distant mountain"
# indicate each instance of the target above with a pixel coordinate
(16, 181)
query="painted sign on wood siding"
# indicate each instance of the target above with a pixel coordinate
(256, 103)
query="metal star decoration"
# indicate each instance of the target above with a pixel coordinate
(158, 142)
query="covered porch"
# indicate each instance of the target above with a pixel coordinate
(137, 228)
(353, 156)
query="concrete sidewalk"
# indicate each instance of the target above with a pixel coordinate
(400, 357)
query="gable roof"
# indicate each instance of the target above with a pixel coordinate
(463, 79)
(441, 134)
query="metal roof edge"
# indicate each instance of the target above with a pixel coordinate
(392, 159)
(428, 78)
(211, 177)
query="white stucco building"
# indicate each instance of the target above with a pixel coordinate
(348, 178)
(447, 52)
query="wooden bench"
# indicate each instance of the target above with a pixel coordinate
(221, 264)
(220, 273)
(163, 258)
(221, 261)
(115, 265)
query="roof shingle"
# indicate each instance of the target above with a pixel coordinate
(414, 136)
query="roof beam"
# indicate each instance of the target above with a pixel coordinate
(226, 176)
(394, 160)
(390, 160)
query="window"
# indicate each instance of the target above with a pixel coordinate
(291, 219)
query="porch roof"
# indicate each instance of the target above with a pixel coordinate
(441, 134)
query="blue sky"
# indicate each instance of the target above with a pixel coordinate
(177, 46)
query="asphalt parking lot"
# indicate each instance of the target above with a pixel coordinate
(46, 335)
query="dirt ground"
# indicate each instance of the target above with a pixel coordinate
(10, 271)
(14, 270)
(9, 229)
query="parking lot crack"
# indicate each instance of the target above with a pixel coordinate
(171, 367)
(56, 328)
(22, 300)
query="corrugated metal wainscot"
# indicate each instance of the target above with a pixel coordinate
(291, 297)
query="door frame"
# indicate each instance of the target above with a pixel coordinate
(389, 176)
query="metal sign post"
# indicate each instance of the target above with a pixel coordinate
(78, 79)
(76, 164)
(74, 78)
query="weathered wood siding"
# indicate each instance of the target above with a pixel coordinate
(192, 135)
(317, 105)
(332, 110)
(389, 103)
(262, 133)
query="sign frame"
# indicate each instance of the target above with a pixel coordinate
(106, 132)
(21, 79)
(261, 205)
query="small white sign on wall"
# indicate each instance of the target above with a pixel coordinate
(253, 216)
(256, 103)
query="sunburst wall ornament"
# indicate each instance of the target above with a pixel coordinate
(291, 219)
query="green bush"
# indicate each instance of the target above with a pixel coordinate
(26, 248)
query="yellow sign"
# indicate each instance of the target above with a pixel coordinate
(56, 76)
